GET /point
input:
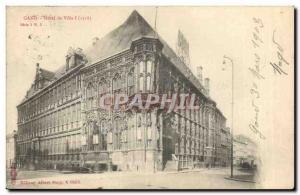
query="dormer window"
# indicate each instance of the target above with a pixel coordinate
(42, 77)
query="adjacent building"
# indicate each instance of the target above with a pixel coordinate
(10, 149)
(244, 151)
(60, 123)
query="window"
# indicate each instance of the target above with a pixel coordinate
(130, 80)
(149, 67)
(103, 87)
(149, 121)
(141, 67)
(67, 117)
(54, 146)
(89, 96)
(139, 133)
(74, 117)
(79, 82)
(141, 83)
(188, 127)
(141, 76)
(103, 135)
(117, 129)
(95, 139)
(117, 83)
(149, 133)
(64, 90)
(89, 90)
(124, 136)
(78, 141)
(83, 140)
(58, 93)
(139, 122)
(148, 84)
(109, 137)
(78, 112)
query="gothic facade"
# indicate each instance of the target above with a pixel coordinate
(61, 125)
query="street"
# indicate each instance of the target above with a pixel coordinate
(194, 179)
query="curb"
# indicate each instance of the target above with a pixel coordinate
(241, 180)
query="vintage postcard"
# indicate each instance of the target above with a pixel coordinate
(150, 97)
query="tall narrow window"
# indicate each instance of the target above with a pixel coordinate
(149, 70)
(95, 139)
(149, 67)
(141, 76)
(89, 96)
(141, 83)
(141, 67)
(103, 87)
(103, 135)
(148, 84)
(130, 80)
(117, 84)
(83, 140)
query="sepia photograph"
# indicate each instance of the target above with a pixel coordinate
(150, 97)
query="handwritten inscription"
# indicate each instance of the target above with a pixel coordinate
(254, 125)
(255, 70)
(281, 60)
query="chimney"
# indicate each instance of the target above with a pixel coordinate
(95, 40)
(199, 73)
(37, 82)
(37, 71)
(206, 85)
(70, 58)
(67, 62)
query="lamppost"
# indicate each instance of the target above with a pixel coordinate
(225, 59)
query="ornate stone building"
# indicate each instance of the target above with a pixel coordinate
(60, 123)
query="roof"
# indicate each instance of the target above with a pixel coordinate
(120, 39)
(46, 74)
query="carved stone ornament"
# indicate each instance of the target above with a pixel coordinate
(91, 116)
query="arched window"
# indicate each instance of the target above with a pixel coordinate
(148, 84)
(103, 135)
(141, 76)
(103, 87)
(149, 66)
(141, 67)
(149, 69)
(117, 131)
(141, 83)
(89, 90)
(139, 127)
(117, 82)
(116, 85)
(130, 82)
(124, 133)
(89, 96)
